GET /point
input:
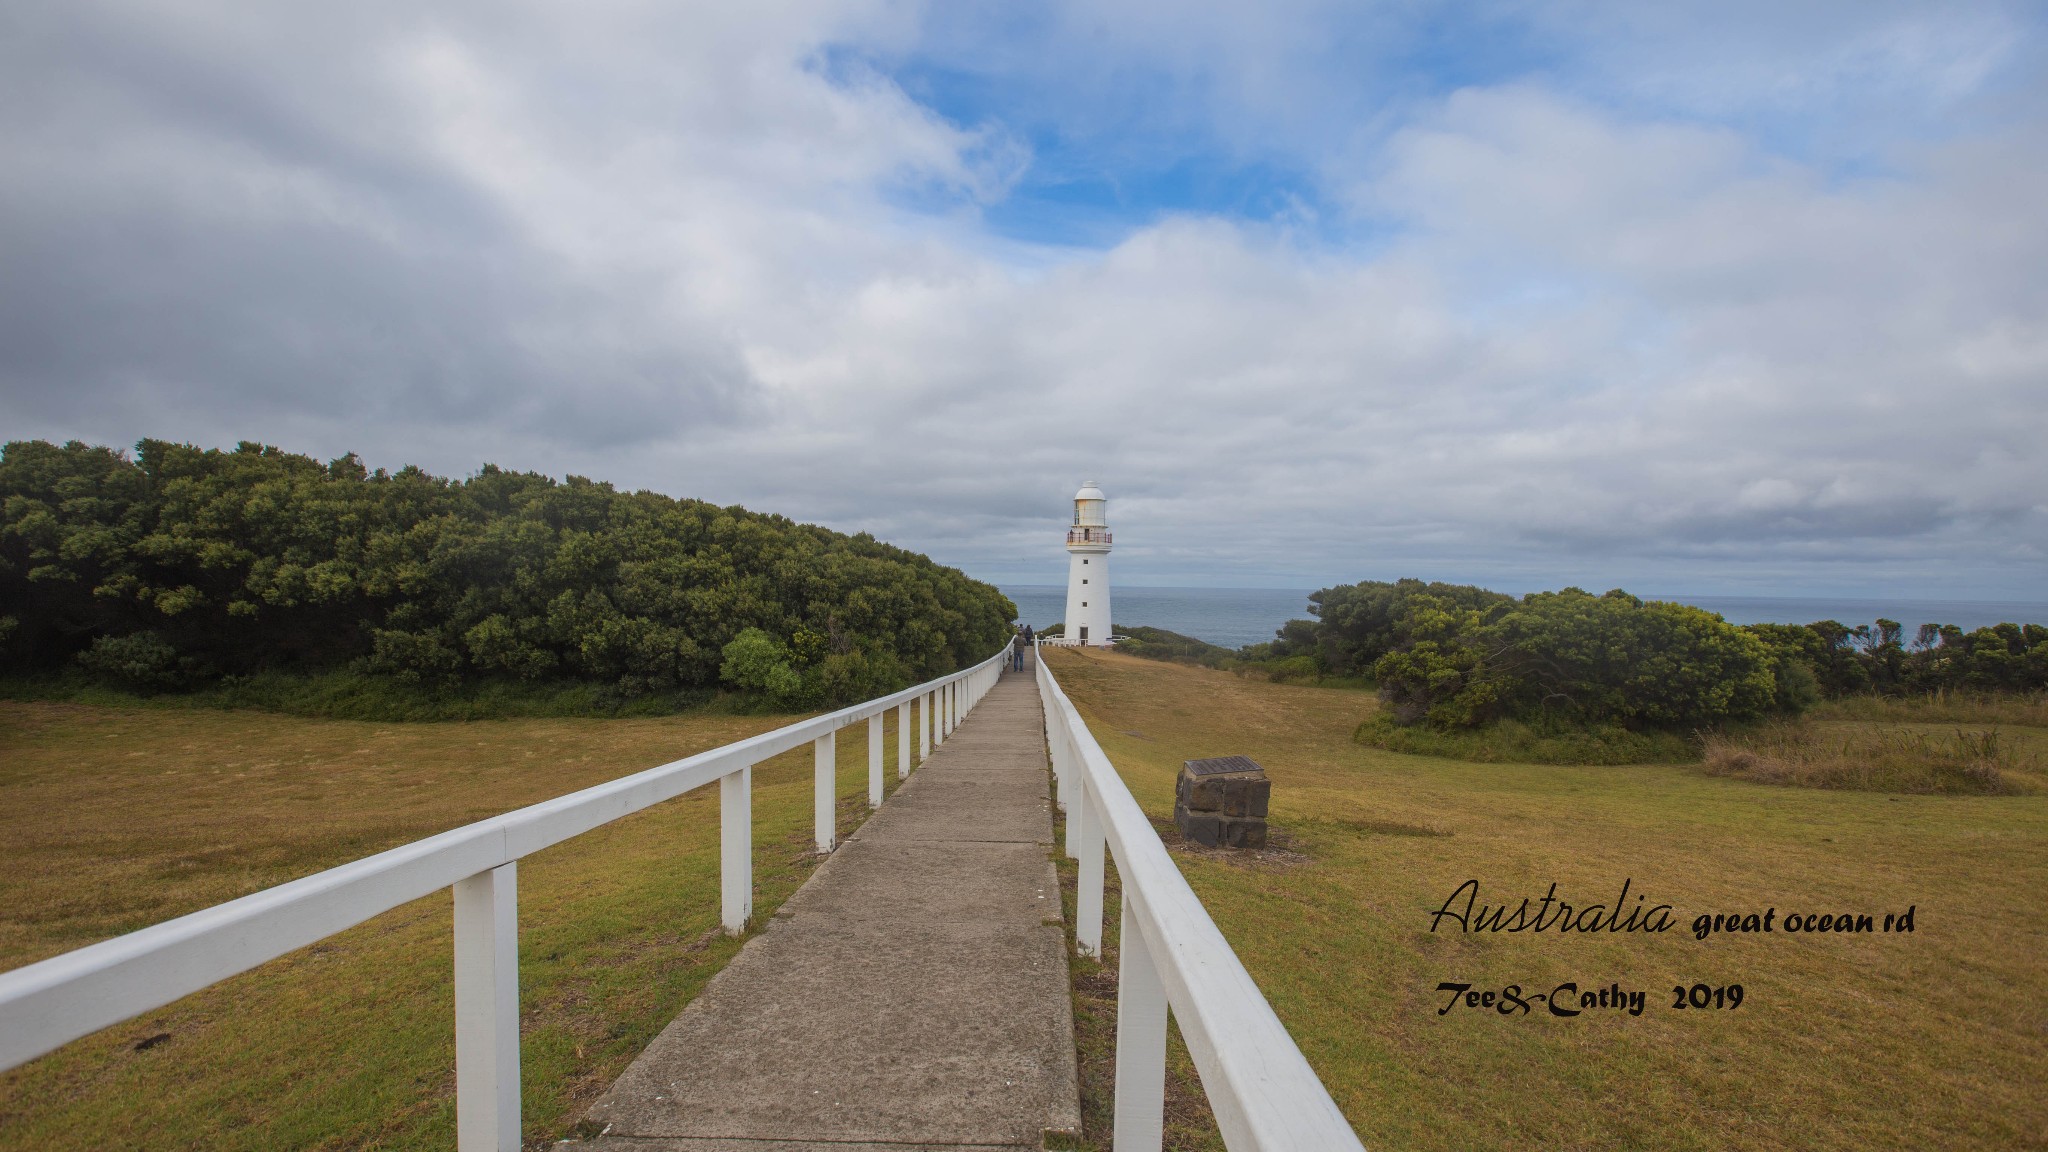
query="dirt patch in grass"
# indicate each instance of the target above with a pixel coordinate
(1876, 759)
(1282, 850)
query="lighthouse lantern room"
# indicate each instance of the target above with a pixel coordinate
(1087, 620)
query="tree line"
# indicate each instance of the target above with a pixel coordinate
(180, 566)
(1456, 656)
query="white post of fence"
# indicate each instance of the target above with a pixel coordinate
(487, 1011)
(924, 728)
(903, 740)
(875, 759)
(1139, 1125)
(824, 790)
(1088, 879)
(1076, 812)
(736, 849)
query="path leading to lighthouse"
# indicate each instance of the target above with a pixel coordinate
(911, 995)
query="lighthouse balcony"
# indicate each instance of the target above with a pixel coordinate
(1087, 535)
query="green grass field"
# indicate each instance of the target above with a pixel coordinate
(112, 819)
(1937, 1039)
(115, 818)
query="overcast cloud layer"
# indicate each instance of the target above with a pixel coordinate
(1720, 300)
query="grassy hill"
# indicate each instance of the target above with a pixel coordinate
(114, 819)
(1842, 1041)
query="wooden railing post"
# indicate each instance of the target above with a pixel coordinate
(736, 849)
(1069, 786)
(1140, 1040)
(487, 1011)
(824, 789)
(924, 728)
(875, 759)
(903, 740)
(1088, 881)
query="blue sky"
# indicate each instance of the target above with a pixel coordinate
(1740, 297)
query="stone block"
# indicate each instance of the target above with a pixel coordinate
(1222, 801)
(1247, 833)
(1202, 828)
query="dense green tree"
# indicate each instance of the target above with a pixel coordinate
(1455, 656)
(1357, 624)
(184, 564)
(1572, 657)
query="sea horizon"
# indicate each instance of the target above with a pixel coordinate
(1234, 617)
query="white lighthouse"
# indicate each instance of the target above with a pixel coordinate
(1088, 569)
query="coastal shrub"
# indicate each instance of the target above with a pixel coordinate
(1941, 706)
(1571, 657)
(181, 567)
(1844, 756)
(1160, 644)
(1357, 624)
(756, 662)
(1513, 742)
(138, 660)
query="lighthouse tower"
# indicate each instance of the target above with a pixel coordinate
(1088, 569)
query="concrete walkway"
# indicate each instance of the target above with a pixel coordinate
(911, 995)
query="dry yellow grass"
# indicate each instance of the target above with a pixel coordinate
(1934, 1039)
(1877, 757)
(113, 819)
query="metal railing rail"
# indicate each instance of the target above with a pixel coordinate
(1173, 957)
(48, 1004)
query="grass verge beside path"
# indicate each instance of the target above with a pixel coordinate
(1190, 1125)
(1934, 1039)
(113, 819)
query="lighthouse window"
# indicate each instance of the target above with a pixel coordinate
(1084, 579)
(1084, 603)
(1084, 562)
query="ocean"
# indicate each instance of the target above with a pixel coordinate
(1234, 617)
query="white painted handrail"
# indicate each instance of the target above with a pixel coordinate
(48, 1004)
(1263, 1092)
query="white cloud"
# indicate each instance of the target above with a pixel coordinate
(666, 245)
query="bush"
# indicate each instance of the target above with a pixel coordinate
(257, 561)
(1575, 658)
(1160, 644)
(1457, 656)
(1512, 742)
(1809, 755)
(755, 662)
(138, 660)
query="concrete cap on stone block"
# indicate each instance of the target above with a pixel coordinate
(1222, 765)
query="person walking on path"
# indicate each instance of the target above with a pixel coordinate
(1017, 644)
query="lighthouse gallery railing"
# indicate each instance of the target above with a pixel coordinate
(1172, 956)
(53, 1002)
